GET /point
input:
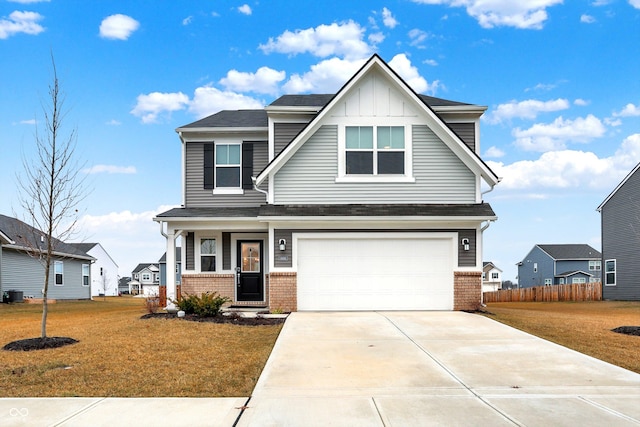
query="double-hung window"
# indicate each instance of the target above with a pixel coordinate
(58, 269)
(207, 254)
(227, 164)
(595, 265)
(85, 274)
(374, 150)
(610, 272)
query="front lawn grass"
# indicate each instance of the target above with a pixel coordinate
(582, 326)
(119, 354)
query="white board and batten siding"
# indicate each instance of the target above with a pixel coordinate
(353, 271)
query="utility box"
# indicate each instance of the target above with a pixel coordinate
(16, 296)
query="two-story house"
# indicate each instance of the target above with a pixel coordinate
(491, 277)
(367, 199)
(559, 265)
(104, 270)
(620, 219)
(145, 279)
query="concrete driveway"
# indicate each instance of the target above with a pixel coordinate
(432, 368)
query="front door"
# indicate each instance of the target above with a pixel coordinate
(249, 271)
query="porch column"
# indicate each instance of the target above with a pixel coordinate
(171, 269)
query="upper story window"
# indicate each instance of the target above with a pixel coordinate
(595, 265)
(374, 150)
(495, 276)
(227, 164)
(146, 277)
(610, 272)
(535, 267)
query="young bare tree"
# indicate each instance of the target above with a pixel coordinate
(51, 187)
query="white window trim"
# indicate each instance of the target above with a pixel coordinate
(578, 280)
(615, 272)
(61, 263)
(198, 253)
(87, 275)
(226, 190)
(375, 122)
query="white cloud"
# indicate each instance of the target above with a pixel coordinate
(20, 22)
(327, 76)
(528, 109)
(388, 19)
(493, 152)
(570, 169)
(245, 9)
(265, 80)
(188, 20)
(118, 27)
(402, 65)
(344, 39)
(431, 62)
(114, 122)
(129, 237)
(150, 106)
(587, 19)
(581, 102)
(209, 100)
(29, 122)
(417, 38)
(635, 3)
(110, 169)
(630, 110)
(376, 38)
(522, 14)
(555, 135)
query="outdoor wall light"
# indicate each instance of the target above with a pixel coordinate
(465, 244)
(283, 244)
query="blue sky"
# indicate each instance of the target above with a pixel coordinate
(560, 80)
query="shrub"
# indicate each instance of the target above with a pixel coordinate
(204, 305)
(152, 304)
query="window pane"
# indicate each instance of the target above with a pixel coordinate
(227, 177)
(397, 137)
(227, 154)
(610, 266)
(391, 162)
(359, 163)
(251, 257)
(359, 137)
(384, 137)
(207, 263)
(208, 246)
(234, 154)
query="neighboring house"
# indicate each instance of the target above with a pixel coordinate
(559, 265)
(123, 285)
(620, 219)
(21, 270)
(163, 267)
(104, 270)
(367, 199)
(491, 277)
(145, 279)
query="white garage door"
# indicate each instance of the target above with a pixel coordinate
(375, 271)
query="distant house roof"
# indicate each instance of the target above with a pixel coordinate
(163, 258)
(573, 273)
(490, 264)
(84, 247)
(149, 265)
(22, 236)
(570, 251)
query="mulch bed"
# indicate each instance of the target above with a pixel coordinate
(628, 330)
(229, 319)
(39, 343)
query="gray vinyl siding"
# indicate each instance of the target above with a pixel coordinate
(466, 132)
(309, 176)
(226, 251)
(197, 196)
(284, 259)
(22, 273)
(527, 277)
(620, 218)
(283, 133)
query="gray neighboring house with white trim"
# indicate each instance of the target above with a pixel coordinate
(620, 228)
(70, 275)
(559, 264)
(367, 199)
(104, 270)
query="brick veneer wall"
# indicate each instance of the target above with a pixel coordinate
(196, 284)
(283, 290)
(467, 290)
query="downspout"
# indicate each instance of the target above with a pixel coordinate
(255, 187)
(492, 187)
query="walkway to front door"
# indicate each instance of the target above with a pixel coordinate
(249, 277)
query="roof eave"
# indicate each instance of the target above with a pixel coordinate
(228, 129)
(403, 218)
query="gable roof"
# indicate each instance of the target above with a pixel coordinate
(320, 100)
(570, 251)
(163, 258)
(230, 119)
(84, 247)
(615, 190)
(486, 264)
(24, 237)
(573, 273)
(151, 266)
(449, 137)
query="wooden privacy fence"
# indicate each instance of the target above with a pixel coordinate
(569, 292)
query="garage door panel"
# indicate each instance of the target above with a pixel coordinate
(365, 273)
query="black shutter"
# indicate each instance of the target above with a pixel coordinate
(190, 261)
(247, 165)
(208, 165)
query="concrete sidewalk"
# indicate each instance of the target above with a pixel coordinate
(384, 369)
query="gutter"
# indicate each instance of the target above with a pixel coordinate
(255, 187)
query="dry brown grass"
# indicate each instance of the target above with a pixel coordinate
(582, 326)
(121, 355)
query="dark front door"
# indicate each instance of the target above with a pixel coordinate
(249, 271)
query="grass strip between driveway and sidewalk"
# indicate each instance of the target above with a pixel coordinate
(121, 355)
(582, 326)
